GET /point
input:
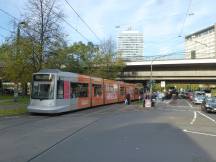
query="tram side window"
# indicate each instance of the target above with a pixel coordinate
(97, 90)
(71, 91)
(122, 91)
(83, 91)
(111, 89)
(79, 90)
(60, 89)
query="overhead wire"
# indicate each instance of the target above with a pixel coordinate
(72, 27)
(88, 26)
(187, 14)
(5, 29)
(75, 29)
(5, 12)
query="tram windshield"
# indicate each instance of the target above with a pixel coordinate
(43, 86)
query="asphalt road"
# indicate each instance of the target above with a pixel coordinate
(173, 131)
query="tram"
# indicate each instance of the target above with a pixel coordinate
(54, 91)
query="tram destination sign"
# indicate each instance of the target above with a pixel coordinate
(43, 77)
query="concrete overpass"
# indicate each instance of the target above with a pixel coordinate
(188, 71)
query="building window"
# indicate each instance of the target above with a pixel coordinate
(193, 54)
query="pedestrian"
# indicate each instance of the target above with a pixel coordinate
(126, 101)
(128, 98)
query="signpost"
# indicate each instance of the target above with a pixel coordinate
(163, 84)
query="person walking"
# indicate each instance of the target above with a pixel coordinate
(128, 98)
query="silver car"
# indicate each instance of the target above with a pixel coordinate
(198, 97)
(209, 104)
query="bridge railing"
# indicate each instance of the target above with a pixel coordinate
(180, 56)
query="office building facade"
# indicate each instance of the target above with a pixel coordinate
(130, 45)
(201, 44)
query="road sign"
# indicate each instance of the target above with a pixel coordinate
(163, 84)
(147, 102)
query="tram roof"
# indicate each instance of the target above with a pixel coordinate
(49, 71)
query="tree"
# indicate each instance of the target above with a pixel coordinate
(100, 61)
(43, 18)
(18, 66)
(109, 62)
(78, 58)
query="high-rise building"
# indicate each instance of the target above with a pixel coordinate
(201, 44)
(130, 45)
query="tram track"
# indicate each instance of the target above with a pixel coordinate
(81, 113)
(21, 124)
(62, 140)
(98, 112)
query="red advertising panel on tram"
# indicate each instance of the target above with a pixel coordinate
(66, 90)
(136, 92)
(121, 91)
(130, 90)
(110, 91)
(83, 91)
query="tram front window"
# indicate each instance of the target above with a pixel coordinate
(43, 86)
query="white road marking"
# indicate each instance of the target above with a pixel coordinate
(189, 104)
(167, 102)
(171, 109)
(11, 117)
(201, 133)
(178, 106)
(194, 118)
(207, 117)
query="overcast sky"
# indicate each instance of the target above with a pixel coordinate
(161, 21)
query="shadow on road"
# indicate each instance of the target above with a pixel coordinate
(105, 142)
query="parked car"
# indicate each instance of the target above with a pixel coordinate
(198, 97)
(181, 94)
(209, 104)
(8, 91)
(190, 95)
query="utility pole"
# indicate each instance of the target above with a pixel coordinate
(16, 93)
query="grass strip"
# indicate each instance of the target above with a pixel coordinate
(20, 100)
(6, 97)
(11, 112)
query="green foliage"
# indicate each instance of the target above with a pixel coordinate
(17, 61)
(43, 19)
(39, 43)
(87, 59)
(108, 62)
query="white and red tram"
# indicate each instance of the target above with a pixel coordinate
(54, 91)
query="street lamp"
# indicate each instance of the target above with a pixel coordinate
(16, 93)
(24, 24)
